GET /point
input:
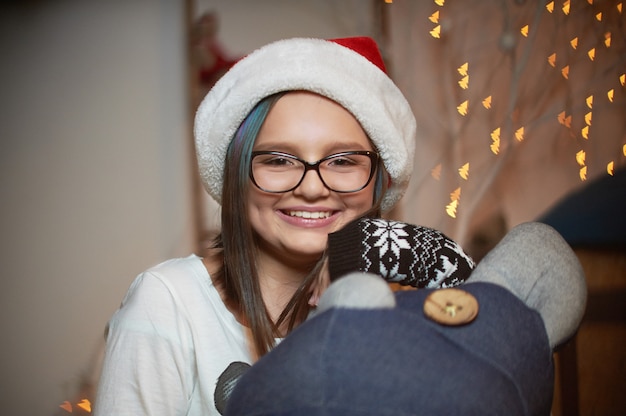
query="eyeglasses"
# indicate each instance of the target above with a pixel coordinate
(345, 172)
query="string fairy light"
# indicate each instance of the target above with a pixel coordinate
(487, 102)
(566, 7)
(552, 60)
(524, 31)
(436, 172)
(592, 54)
(455, 198)
(585, 132)
(84, 404)
(463, 107)
(495, 141)
(567, 64)
(464, 171)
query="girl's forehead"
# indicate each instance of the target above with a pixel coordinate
(303, 120)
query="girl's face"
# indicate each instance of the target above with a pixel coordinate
(293, 226)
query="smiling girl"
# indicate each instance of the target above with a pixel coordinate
(297, 140)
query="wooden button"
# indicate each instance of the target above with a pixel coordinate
(451, 307)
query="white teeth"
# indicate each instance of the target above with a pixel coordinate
(309, 214)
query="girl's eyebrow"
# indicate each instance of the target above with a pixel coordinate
(292, 148)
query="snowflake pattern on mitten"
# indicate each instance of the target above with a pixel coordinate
(412, 255)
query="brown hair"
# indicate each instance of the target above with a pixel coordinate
(238, 277)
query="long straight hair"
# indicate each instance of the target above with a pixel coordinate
(238, 277)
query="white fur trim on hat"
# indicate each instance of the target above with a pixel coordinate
(319, 66)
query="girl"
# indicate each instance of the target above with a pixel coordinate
(297, 140)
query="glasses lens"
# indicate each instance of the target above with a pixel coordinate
(276, 172)
(347, 172)
(343, 172)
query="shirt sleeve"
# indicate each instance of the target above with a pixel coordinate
(149, 361)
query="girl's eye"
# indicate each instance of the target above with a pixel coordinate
(275, 161)
(279, 161)
(341, 161)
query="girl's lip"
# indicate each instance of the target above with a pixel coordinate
(308, 217)
(314, 215)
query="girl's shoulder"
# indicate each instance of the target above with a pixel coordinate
(177, 281)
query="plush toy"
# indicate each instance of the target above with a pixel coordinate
(402, 253)
(481, 348)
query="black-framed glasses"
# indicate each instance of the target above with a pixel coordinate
(344, 172)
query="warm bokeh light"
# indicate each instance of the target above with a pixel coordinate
(455, 197)
(592, 53)
(585, 132)
(462, 108)
(463, 69)
(436, 172)
(570, 68)
(524, 31)
(552, 60)
(566, 7)
(451, 208)
(580, 157)
(464, 171)
(464, 82)
(565, 119)
(84, 404)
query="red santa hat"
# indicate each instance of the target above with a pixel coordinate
(349, 71)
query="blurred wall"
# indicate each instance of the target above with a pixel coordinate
(94, 179)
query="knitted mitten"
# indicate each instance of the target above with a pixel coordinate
(410, 255)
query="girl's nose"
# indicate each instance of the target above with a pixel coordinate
(311, 186)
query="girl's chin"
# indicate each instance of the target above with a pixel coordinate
(306, 247)
(308, 251)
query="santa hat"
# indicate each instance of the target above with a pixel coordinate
(349, 71)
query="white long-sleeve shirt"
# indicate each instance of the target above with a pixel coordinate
(168, 343)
